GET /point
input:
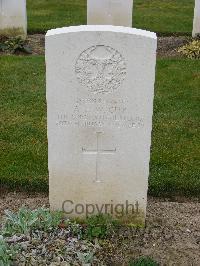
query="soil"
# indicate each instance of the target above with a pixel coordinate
(167, 46)
(171, 236)
(37, 43)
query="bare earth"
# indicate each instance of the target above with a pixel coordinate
(171, 236)
(167, 46)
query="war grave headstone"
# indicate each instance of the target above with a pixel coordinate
(196, 21)
(13, 18)
(100, 89)
(110, 12)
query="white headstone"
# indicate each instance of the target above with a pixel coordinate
(196, 22)
(110, 12)
(100, 88)
(13, 19)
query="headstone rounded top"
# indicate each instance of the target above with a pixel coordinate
(103, 28)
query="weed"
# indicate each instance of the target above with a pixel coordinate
(20, 222)
(7, 252)
(26, 220)
(143, 261)
(74, 228)
(85, 258)
(12, 45)
(100, 226)
(191, 50)
(47, 220)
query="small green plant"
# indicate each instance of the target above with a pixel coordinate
(74, 228)
(25, 220)
(7, 252)
(85, 258)
(143, 261)
(47, 220)
(100, 226)
(191, 50)
(19, 222)
(13, 45)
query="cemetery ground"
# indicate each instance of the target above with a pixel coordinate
(172, 232)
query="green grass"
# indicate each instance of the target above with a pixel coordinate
(175, 167)
(46, 14)
(163, 16)
(23, 122)
(175, 164)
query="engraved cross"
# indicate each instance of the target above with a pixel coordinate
(98, 152)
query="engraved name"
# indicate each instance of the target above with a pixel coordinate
(99, 112)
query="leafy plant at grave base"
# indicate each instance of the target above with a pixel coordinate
(74, 228)
(191, 50)
(20, 222)
(85, 258)
(26, 220)
(7, 252)
(100, 226)
(13, 45)
(47, 220)
(143, 261)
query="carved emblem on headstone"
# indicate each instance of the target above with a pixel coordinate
(101, 69)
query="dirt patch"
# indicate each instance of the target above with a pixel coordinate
(167, 46)
(13, 201)
(37, 43)
(171, 236)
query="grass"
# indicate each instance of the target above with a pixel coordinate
(46, 14)
(23, 122)
(175, 165)
(174, 168)
(165, 17)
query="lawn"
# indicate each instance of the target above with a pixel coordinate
(163, 16)
(175, 167)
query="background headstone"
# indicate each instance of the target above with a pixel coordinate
(110, 12)
(196, 22)
(100, 88)
(13, 19)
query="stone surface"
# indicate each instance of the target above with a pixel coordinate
(110, 12)
(13, 19)
(100, 87)
(196, 21)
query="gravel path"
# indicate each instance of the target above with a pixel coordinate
(171, 237)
